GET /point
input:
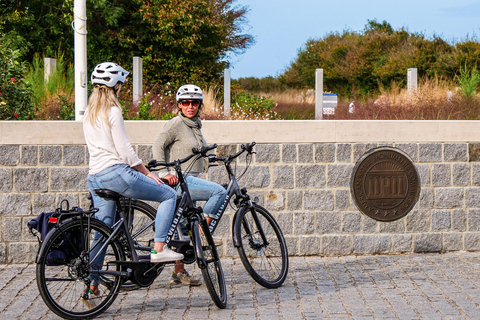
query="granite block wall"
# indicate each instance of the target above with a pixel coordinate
(306, 186)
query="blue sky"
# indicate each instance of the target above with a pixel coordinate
(282, 27)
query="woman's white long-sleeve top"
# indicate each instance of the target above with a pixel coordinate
(109, 146)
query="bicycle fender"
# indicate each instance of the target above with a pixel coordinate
(236, 244)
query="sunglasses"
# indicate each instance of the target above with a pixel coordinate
(194, 103)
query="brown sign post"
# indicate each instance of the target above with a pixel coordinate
(385, 184)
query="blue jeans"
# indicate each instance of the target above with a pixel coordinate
(132, 184)
(203, 190)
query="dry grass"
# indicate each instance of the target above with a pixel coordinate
(434, 100)
(51, 105)
(212, 106)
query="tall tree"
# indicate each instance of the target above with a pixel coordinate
(179, 40)
(357, 63)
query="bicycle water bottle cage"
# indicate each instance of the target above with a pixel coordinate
(108, 194)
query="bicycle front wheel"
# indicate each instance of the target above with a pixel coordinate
(261, 246)
(64, 272)
(210, 265)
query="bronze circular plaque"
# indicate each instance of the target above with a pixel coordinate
(385, 184)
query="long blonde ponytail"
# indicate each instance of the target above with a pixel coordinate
(101, 100)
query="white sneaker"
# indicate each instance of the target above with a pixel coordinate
(166, 255)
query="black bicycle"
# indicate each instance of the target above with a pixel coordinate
(256, 234)
(64, 284)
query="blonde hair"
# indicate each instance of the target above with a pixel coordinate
(101, 100)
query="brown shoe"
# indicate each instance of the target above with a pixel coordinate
(184, 278)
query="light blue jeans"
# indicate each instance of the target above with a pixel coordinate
(132, 184)
(203, 190)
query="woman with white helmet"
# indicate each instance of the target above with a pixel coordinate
(176, 141)
(114, 165)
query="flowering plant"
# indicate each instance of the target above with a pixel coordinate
(15, 95)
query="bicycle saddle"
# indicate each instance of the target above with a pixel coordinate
(108, 194)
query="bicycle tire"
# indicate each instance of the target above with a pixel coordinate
(63, 287)
(267, 265)
(210, 265)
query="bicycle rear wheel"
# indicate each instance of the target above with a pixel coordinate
(64, 286)
(141, 223)
(261, 246)
(210, 265)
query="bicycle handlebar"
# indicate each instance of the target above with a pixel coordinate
(244, 147)
(203, 150)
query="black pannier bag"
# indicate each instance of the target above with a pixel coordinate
(62, 251)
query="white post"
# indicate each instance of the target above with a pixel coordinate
(137, 79)
(318, 94)
(226, 93)
(412, 79)
(80, 38)
(49, 65)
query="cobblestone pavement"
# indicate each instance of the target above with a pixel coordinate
(417, 286)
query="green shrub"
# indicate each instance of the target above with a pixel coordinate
(157, 104)
(468, 80)
(15, 94)
(54, 98)
(251, 106)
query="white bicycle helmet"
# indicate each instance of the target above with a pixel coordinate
(108, 73)
(189, 91)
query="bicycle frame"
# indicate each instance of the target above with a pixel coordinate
(242, 198)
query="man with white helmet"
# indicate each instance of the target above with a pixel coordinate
(178, 137)
(114, 165)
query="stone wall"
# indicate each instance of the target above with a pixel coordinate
(306, 185)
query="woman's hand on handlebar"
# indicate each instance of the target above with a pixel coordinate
(172, 180)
